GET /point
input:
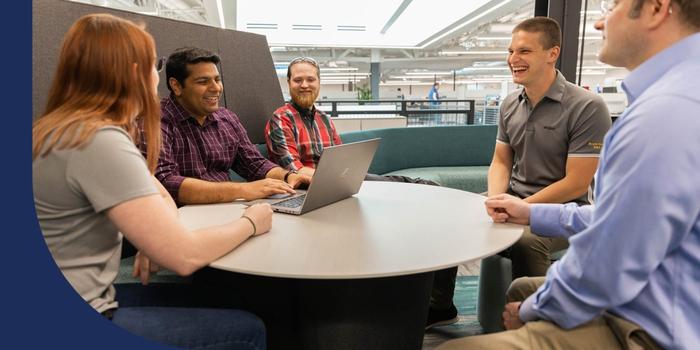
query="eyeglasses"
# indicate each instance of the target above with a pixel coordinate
(607, 6)
(304, 59)
(160, 63)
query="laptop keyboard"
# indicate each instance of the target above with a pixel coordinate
(292, 202)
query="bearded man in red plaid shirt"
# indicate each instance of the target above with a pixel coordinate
(298, 132)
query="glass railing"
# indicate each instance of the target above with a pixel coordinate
(417, 112)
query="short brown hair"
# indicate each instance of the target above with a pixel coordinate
(689, 11)
(551, 32)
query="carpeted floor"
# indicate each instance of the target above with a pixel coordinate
(466, 291)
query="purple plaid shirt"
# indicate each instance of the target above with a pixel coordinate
(205, 152)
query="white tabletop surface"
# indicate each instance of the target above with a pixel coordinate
(387, 229)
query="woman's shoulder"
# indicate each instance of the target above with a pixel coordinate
(111, 135)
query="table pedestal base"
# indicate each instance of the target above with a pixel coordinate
(312, 314)
(375, 313)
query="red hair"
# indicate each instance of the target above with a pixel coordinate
(104, 77)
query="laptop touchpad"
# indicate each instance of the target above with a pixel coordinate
(279, 196)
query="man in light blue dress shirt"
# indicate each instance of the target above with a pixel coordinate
(631, 276)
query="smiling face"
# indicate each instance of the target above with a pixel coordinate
(200, 92)
(304, 84)
(528, 60)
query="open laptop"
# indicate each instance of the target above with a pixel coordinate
(339, 175)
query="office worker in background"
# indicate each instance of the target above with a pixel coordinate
(202, 141)
(91, 183)
(434, 94)
(630, 278)
(296, 135)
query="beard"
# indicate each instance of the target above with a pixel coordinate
(304, 100)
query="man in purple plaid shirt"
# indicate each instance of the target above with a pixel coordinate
(202, 141)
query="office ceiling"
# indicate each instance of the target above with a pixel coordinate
(415, 41)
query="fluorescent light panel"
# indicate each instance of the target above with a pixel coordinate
(503, 38)
(428, 73)
(475, 18)
(458, 53)
(331, 69)
(486, 68)
(325, 74)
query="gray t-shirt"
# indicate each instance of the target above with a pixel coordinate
(72, 190)
(568, 122)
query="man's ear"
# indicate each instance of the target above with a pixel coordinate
(656, 12)
(554, 54)
(175, 86)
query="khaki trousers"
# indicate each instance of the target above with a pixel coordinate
(604, 332)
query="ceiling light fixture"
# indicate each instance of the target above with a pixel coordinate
(482, 14)
(486, 38)
(428, 73)
(348, 69)
(458, 53)
(484, 68)
(324, 74)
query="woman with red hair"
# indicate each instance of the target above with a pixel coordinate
(91, 185)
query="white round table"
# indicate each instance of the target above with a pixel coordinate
(387, 229)
(359, 272)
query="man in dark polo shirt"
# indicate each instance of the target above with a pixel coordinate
(549, 138)
(202, 141)
(550, 134)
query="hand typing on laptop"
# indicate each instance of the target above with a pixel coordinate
(263, 188)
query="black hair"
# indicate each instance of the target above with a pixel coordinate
(176, 66)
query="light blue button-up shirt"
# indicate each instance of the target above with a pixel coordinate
(636, 252)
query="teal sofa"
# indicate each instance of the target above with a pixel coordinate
(453, 156)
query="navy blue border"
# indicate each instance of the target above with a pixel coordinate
(39, 308)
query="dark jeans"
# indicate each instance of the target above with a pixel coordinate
(172, 314)
(443, 289)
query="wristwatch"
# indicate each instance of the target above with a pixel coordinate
(289, 172)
